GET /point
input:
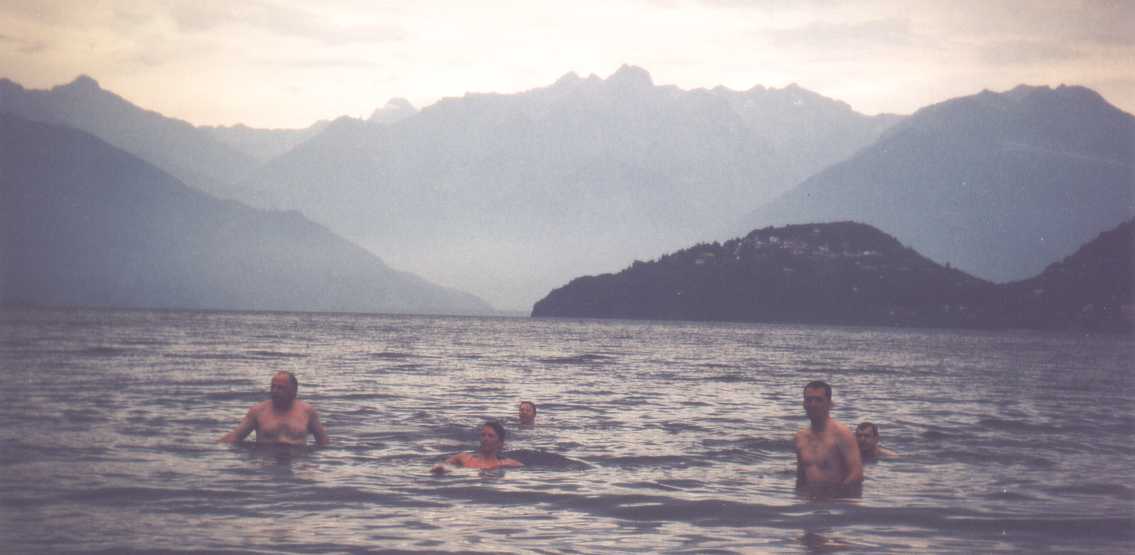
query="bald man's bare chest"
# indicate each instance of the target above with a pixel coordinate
(275, 426)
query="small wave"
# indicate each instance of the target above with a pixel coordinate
(207, 356)
(144, 341)
(728, 378)
(544, 459)
(119, 495)
(347, 494)
(1096, 488)
(716, 512)
(390, 355)
(938, 435)
(681, 427)
(1005, 457)
(103, 351)
(648, 461)
(588, 358)
(666, 485)
(1015, 425)
(716, 365)
(275, 354)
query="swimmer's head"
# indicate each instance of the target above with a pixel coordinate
(817, 400)
(284, 387)
(527, 412)
(492, 437)
(820, 385)
(867, 436)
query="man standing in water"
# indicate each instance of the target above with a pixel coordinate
(827, 456)
(282, 420)
(487, 456)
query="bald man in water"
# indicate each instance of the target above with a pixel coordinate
(827, 456)
(283, 419)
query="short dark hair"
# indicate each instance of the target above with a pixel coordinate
(529, 403)
(497, 427)
(821, 385)
(870, 426)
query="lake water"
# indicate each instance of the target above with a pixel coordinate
(651, 437)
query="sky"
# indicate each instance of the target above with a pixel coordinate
(290, 63)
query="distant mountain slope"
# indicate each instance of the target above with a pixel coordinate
(508, 195)
(190, 154)
(998, 185)
(839, 273)
(263, 144)
(84, 223)
(1091, 288)
(850, 273)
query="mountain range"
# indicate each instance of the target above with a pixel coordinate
(996, 184)
(86, 223)
(186, 152)
(508, 195)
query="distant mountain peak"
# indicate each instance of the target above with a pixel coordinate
(629, 75)
(83, 82)
(567, 79)
(400, 103)
(395, 110)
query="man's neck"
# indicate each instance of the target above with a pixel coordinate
(283, 407)
(820, 425)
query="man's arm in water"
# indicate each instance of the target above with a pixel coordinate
(316, 429)
(443, 467)
(799, 465)
(243, 429)
(510, 463)
(850, 450)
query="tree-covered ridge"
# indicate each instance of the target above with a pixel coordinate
(839, 273)
(1090, 289)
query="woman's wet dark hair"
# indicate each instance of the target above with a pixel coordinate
(497, 427)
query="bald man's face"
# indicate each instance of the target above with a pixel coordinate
(282, 391)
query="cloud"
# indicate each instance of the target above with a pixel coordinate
(844, 38)
(22, 45)
(1013, 52)
(322, 62)
(282, 20)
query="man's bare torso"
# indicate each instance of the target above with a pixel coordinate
(275, 426)
(819, 456)
(476, 460)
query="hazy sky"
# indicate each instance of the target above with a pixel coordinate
(288, 63)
